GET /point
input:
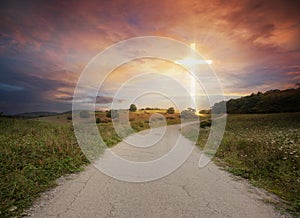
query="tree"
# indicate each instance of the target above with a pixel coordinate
(133, 108)
(272, 101)
(188, 114)
(191, 109)
(170, 110)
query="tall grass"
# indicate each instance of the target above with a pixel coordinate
(32, 155)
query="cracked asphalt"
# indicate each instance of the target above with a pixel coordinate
(190, 191)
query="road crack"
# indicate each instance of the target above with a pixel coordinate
(185, 190)
(75, 196)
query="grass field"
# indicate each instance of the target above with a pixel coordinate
(263, 148)
(34, 153)
(139, 121)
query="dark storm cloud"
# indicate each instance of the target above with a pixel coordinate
(23, 92)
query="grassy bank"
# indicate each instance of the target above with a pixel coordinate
(33, 154)
(263, 148)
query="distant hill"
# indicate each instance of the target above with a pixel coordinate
(36, 114)
(273, 101)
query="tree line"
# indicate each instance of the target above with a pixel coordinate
(272, 101)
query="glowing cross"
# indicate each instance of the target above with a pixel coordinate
(193, 62)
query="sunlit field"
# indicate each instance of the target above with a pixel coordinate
(263, 148)
(139, 121)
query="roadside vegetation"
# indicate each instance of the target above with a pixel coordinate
(35, 152)
(33, 155)
(263, 148)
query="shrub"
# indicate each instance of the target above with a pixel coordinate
(84, 114)
(170, 110)
(170, 118)
(206, 123)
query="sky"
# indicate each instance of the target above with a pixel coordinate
(46, 45)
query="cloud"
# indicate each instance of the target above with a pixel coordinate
(264, 23)
(9, 88)
(31, 93)
(45, 45)
(107, 100)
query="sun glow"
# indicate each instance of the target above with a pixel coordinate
(191, 62)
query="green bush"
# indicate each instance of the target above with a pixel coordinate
(133, 108)
(205, 123)
(171, 110)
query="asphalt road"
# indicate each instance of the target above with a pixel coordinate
(190, 191)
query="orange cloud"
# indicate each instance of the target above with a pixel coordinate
(253, 44)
